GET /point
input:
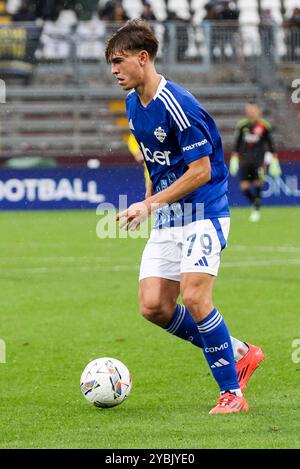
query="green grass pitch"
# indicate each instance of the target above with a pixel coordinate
(68, 297)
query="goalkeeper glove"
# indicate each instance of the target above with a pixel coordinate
(261, 173)
(234, 165)
(274, 168)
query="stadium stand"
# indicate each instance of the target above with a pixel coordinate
(72, 108)
(61, 122)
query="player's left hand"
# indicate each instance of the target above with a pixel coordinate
(274, 168)
(131, 218)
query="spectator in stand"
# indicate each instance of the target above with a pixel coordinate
(267, 27)
(228, 11)
(49, 10)
(182, 34)
(26, 12)
(119, 13)
(219, 35)
(147, 13)
(113, 11)
(211, 12)
(106, 13)
(211, 33)
(292, 26)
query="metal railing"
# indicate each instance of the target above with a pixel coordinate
(181, 43)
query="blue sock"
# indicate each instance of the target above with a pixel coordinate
(218, 351)
(183, 325)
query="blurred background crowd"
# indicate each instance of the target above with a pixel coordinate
(218, 21)
(225, 52)
(118, 10)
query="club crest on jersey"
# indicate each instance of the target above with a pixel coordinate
(160, 134)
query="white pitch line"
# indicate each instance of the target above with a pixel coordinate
(55, 270)
(260, 262)
(130, 267)
(62, 245)
(90, 258)
(61, 259)
(242, 247)
(234, 247)
(71, 260)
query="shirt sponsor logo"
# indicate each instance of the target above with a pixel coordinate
(194, 145)
(160, 157)
(252, 138)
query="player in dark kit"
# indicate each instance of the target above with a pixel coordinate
(253, 140)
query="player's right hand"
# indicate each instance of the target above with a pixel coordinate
(234, 165)
(131, 218)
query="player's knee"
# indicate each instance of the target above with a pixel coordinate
(196, 302)
(190, 296)
(151, 309)
(156, 310)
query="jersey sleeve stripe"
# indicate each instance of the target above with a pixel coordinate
(177, 105)
(175, 109)
(171, 112)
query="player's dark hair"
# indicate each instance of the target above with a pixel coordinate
(134, 36)
(252, 102)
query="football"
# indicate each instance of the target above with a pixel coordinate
(105, 382)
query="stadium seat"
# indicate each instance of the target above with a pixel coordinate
(199, 12)
(12, 6)
(290, 5)
(54, 43)
(90, 44)
(248, 20)
(180, 7)
(274, 6)
(55, 37)
(159, 9)
(248, 12)
(133, 8)
(66, 19)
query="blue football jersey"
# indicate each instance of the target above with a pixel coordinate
(173, 130)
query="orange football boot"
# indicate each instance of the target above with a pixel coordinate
(230, 403)
(248, 364)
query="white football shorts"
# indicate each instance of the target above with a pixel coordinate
(195, 247)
